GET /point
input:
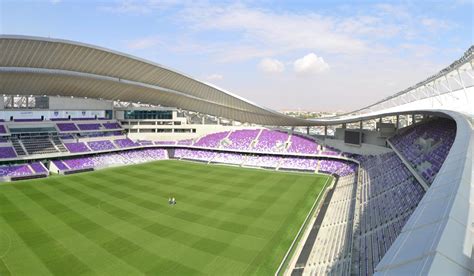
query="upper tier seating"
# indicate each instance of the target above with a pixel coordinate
(242, 139)
(211, 140)
(89, 126)
(7, 152)
(125, 143)
(38, 145)
(270, 141)
(3, 129)
(112, 125)
(426, 146)
(261, 140)
(300, 144)
(18, 147)
(66, 127)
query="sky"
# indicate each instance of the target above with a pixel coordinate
(285, 55)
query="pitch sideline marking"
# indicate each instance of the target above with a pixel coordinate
(9, 246)
(301, 228)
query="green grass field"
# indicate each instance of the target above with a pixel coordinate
(117, 221)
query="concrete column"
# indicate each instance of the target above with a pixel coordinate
(398, 122)
(307, 130)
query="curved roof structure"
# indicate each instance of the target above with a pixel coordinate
(438, 236)
(44, 66)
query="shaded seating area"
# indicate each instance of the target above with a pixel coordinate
(426, 146)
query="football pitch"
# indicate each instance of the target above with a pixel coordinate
(117, 221)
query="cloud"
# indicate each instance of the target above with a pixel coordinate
(262, 32)
(54, 2)
(215, 77)
(138, 7)
(127, 6)
(433, 24)
(310, 64)
(143, 43)
(271, 65)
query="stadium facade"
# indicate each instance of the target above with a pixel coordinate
(64, 100)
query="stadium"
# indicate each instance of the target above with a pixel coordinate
(95, 143)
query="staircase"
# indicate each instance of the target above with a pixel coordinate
(58, 144)
(20, 150)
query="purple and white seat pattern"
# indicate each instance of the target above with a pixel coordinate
(111, 159)
(426, 146)
(338, 167)
(377, 209)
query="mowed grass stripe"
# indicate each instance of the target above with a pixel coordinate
(155, 228)
(202, 190)
(270, 195)
(185, 213)
(233, 221)
(125, 209)
(216, 228)
(276, 246)
(51, 252)
(225, 182)
(100, 261)
(117, 245)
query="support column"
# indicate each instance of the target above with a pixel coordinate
(413, 119)
(397, 126)
(307, 130)
(344, 126)
(325, 131)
